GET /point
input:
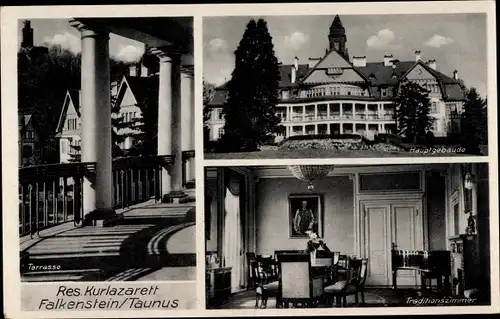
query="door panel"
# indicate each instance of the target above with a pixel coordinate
(407, 230)
(377, 233)
(386, 222)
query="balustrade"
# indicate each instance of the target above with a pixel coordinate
(50, 195)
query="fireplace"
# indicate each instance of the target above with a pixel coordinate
(464, 264)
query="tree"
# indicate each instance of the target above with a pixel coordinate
(208, 93)
(412, 111)
(250, 111)
(474, 121)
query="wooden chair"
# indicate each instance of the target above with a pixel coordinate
(264, 287)
(357, 285)
(251, 258)
(337, 291)
(328, 260)
(299, 284)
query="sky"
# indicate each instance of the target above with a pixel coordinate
(455, 41)
(47, 32)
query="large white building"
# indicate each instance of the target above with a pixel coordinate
(336, 94)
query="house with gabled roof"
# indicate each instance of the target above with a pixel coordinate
(28, 139)
(133, 88)
(338, 94)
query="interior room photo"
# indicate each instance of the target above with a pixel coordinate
(347, 235)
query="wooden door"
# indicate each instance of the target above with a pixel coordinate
(384, 223)
(377, 233)
(407, 234)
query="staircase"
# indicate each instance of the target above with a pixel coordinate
(95, 254)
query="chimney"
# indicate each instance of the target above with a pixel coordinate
(455, 75)
(418, 55)
(27, 41)
(295, 67)
(359, 60)
(432, 64)
(313, 61)
(144, 71)
(388, 60)
(132, 71)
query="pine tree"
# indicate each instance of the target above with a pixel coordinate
(412, 111)
(250, 111)
(474, 121)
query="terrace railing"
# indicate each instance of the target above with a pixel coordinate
(50, 195)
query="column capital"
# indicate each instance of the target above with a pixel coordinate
(187, 71)
(167, 54)
(88, 31)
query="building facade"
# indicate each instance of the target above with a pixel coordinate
(28, 139)
(339, 94)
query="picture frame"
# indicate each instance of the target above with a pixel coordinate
(298, 226)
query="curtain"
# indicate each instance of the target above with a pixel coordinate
(233, 235)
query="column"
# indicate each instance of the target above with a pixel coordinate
(315, 112)
(341, 111)
(341, 129)
(165, 102)
(187, 106)
(315, 129)
(176, 171)
(366, 111)
(303, 130)
(96, 124)
(303, 112)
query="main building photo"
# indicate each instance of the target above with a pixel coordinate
(324, 86)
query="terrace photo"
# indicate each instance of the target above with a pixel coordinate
(106, 180)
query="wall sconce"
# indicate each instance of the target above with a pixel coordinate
(468, 181)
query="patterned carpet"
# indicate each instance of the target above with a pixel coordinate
(373, 298)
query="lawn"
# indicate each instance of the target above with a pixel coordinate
(318, 153)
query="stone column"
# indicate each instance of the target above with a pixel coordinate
(187, 128)
(341, 111)
(165, 117)
(170, 123)
(96, 124)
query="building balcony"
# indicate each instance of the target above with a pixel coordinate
(338, 117)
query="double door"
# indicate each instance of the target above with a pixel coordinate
(388, 222)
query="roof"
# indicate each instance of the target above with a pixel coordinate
(143, 88)
(286, 74)
(72, 95)
(375, 72)
(379, 74)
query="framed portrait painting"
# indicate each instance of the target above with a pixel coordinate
(305, 213)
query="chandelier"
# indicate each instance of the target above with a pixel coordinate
(308, 173)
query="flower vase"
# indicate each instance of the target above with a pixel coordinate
(313, 257)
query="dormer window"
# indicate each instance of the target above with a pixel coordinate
(285, 94)
(383, 92)
(334, 71)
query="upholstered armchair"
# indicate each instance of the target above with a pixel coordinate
(299, 284)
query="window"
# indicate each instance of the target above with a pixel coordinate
(221, 132)
(383, 92)
(433, 107)
(64, 146)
